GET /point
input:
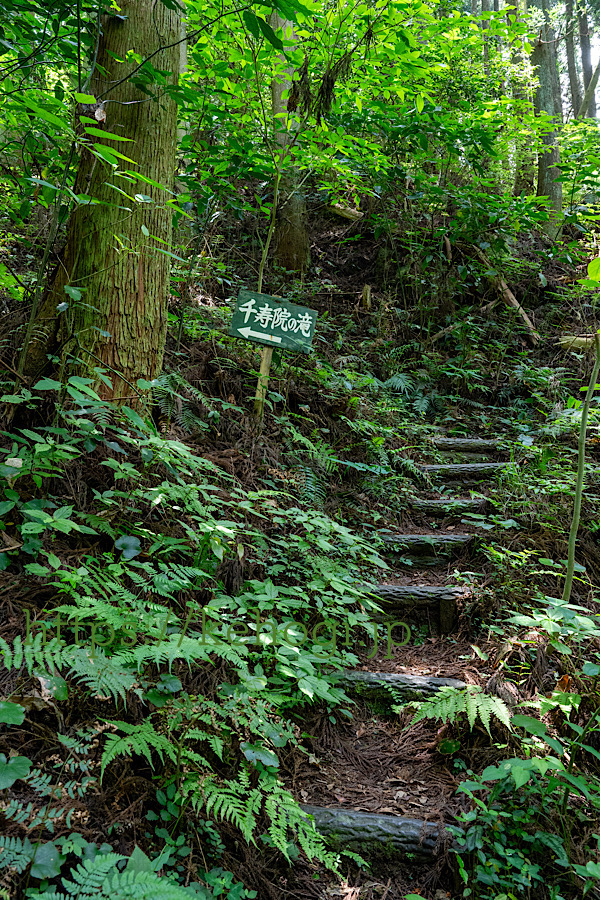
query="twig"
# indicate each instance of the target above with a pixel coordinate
(508, 296)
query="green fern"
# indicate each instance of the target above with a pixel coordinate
(450, 703)
(138, 739)
(15, 854)
(312, 487)
(242, 805)
(401, 382)
(103, 675)
(100, 878)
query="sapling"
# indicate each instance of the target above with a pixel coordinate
(580, 341)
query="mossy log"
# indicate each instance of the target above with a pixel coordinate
(410, 687)
(402, 600)
(372, 833)
(466, 444)
(442, 542)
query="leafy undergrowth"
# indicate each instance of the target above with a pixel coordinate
(172, 581)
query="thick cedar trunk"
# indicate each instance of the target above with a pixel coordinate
(292, 248)
(547, 100)
(113, 250)
(586, 54)
(574, 85)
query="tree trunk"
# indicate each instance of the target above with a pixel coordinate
(589, 93)
(486, 8)
(292, 247)
(114, 254)
(586, 54)
(525, 159)
(571, 58)
(545, 61)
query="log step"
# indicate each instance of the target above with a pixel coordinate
(464, 470)
(402, 595)
(375, 833)
(443, 506)
(402, 600)
(466, 444)
(443, 542)
(410, 687)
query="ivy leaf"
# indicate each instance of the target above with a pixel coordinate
(130, 546)
(47, 861)
(256, 753)
(11, 713)
(13, 769)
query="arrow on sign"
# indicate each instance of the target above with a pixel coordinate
(248, 333)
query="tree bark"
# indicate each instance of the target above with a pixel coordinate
(486, 8)
(589, 94)
(586, 53)
(525, 160)
(292, 247)
(114, 249)
(547, 100)
(571, 57)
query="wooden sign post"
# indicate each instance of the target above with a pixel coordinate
(272, 322)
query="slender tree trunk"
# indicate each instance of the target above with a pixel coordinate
(292, 247)
(486, 8)
(586, 53)
(571, 57)
(589, 93)
(545, 62)
(113, 254)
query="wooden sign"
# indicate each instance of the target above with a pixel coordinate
(273, 322)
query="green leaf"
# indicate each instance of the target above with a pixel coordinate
(138, 862)
(257, 753)
(11, 713)
(594, 269)
(97, 132)
(13, 769)
(43, 113)
(130, 545)
(251, 23)
(87, 99)
(531, 725)
(6, 506)
(521, 775)
(73, 293)
(47, 861)
(591, 669)
(55, 686)
(269, 34)
(47, 384)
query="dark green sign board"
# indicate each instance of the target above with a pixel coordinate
(273, 322)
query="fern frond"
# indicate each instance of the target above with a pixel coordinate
(140, 740)
(103, 675)
(15, 854)
(450, 703)
(400, 382)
